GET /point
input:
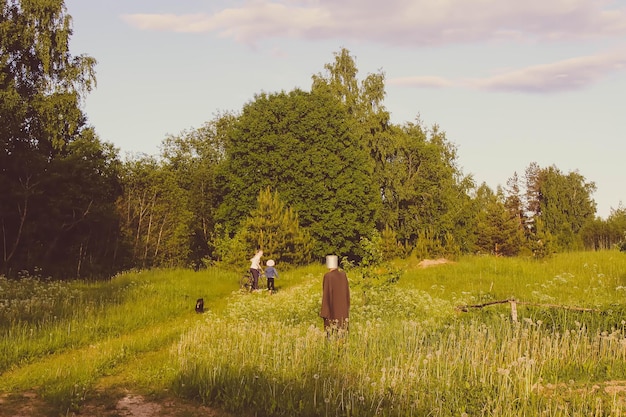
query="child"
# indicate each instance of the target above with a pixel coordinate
(270, 274)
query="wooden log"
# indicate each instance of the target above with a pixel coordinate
(514, 302)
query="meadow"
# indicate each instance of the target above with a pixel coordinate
(419, 344)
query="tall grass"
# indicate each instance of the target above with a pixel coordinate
(63, 337)
(411, 353)
(410, 350)
(401, 368)
(585, 278)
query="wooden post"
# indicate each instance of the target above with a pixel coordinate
(513, 310)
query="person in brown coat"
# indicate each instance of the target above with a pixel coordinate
(335, 298)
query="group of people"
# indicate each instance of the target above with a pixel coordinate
(270, 272)
(335, 291)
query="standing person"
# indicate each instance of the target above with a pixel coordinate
(255, 269)
(270, 274)
(335, 298)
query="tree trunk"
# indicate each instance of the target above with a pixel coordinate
(23, 212)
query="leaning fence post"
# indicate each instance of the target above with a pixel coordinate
(513, 310)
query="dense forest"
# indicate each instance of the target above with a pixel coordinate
(300, 174)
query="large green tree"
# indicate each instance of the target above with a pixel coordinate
(276, 229)
(514, 201)
(57, 180)
(364, 102)
(562, 203)
(303, 145)
(194, 157)
(498, 229)
(606, 234)
(156, 217)
(419, 184)
(425, 190)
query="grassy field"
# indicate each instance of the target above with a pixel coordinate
(419, 344)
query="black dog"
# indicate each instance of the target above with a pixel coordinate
(200, 305)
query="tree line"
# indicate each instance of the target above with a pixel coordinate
(300, 174)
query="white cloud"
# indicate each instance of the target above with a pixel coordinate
(256, 21)
(401, 22)
(166, 22)
(566, 75)
(427, 23)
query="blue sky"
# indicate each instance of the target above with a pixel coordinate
(510, 82)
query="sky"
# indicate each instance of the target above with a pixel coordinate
(510, 82)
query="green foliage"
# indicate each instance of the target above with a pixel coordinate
(373, 279)
(58, 181)
(303, 146)
(276, 230)
(390, 247)
(363, 188)
(498, 229)
(605, 234)
(272, 227)
(364, 102)
(563, 202)
(432, 245)
(372, 250)
(156, 215)
(423, 188)
(194, 158)
(230, 250)
(80, 224)
(541, 242)
(382, 247)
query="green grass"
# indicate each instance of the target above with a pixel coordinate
(61, 338)
(410, 350)
(572, 278)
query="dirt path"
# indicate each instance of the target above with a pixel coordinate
(28, 404)
(134, 405)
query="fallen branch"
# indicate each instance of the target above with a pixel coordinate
(466, 308)
(514, 303)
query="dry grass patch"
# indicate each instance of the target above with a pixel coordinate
(433, 262)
